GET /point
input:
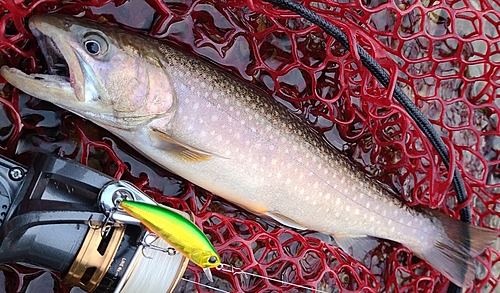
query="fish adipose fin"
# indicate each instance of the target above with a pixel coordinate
(184, 151)
(455, 249)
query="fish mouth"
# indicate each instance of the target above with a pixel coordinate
(64, 81)
(62, 60)
(54, 59)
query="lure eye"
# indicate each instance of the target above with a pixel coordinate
(95, 44)
(212, 259)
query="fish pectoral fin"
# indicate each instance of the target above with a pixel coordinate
(285, 220)
(182, 150)
(358, 246)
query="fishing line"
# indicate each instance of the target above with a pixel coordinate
(237, 271)
(205, 285)
(384, 78)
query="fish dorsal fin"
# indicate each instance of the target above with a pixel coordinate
(285, 220)
(358, 246)
(182, 150)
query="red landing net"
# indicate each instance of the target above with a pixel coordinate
(448, 56)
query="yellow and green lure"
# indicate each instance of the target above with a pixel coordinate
(179, 232)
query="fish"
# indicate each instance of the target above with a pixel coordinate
(176, 230)
(233, 140)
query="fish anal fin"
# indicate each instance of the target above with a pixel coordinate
(455, 249)
(285, 220)
(358, 246)
(184, 151)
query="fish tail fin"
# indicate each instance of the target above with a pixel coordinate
(455, 249)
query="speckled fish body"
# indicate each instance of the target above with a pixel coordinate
(234, 141)
(179, 232)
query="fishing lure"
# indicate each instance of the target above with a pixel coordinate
(179, 232)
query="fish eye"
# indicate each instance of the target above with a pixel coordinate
(95, 44)
(92, 47)
(212, 259)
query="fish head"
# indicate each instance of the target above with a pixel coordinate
(100, 72)
(206, 259)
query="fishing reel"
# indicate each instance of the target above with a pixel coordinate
(61, 215)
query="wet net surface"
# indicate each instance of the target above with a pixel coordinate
(448, 58)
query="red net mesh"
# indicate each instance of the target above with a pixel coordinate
(447, 53)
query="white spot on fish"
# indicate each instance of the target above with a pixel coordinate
(367, 205)
(301, 191)
(356, 211)
(337, 201)
(327, 196)
(347, 208)
(287, 181)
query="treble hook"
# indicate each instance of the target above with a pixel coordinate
(89, 223)
(108, 223)
(145, 244)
